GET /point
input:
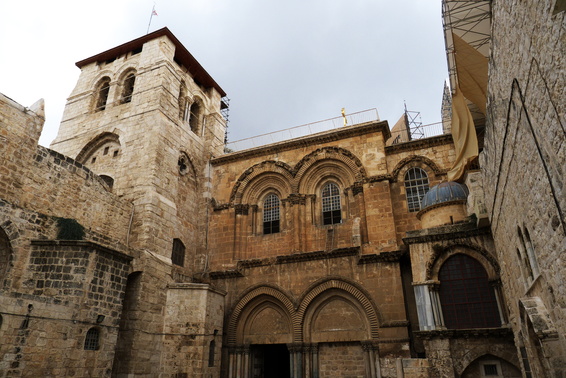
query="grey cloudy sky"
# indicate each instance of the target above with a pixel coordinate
(282, 63)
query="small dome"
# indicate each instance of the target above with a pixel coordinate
(444, 192)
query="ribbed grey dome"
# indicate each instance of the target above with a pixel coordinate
(444, 192)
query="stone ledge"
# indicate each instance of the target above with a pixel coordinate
(419, 143)
(453, 231)
(82, 244)
(465, 333)
(393, 256)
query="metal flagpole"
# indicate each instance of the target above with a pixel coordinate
(153, 12)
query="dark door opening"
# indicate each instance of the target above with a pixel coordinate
(270, 361)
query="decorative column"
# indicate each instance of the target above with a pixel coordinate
(231, 362)
(311, 360)
(296, 355)
(297, 202)
(424, 307)
(496, 284)
(371, 358)
(358, 193)
(239, 210)
(436, 306)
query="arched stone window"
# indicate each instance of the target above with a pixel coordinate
(92, 339)
(466, 296)
(128, 87)
(178, 254)
(331, 208)
(271, 215)
(108, 180)
(195, 119)
(416, 186)
(102, 90)
(5, 256)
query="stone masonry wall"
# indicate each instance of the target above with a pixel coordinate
(524, 157)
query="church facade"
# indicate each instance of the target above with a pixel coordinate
(139, 245)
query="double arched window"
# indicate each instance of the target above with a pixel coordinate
(331, 209)
(271, 214)
(416, 186)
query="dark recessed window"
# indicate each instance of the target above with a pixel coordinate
(103, 89)
(128, 89)
(467, 298)
(92, 339)
(416, 186)
(178, 255)
(271, 206)
(331, 209)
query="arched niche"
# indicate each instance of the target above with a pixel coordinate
(258, 307)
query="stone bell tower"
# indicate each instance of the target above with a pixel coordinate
(146, 117)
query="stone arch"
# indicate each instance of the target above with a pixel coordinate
(6, 257)
(101, 92)
(196, 116)
(508, 355)
(423, 162)
(443, 253)
(351, 167)
(254, 299)
(95, 144)
(126, 81)
(259, 176)
(348, 290)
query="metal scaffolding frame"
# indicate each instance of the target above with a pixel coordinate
(469, 20)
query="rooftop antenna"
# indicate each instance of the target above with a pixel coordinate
(153, 13)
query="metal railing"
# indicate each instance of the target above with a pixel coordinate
(303, 130)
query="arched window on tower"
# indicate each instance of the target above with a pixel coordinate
(102, 90)
(466, 296)
(178, 254)
(195, 117)
(331, 209)
(128, 87)
(416, 186)
(271, 215)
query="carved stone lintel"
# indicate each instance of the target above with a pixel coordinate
(297, 199)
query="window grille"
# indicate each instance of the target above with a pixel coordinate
(331, 212)
(467, 298)
(490, 370)
(416, 186)
(271, 215)
(92, 339)
(178, 255)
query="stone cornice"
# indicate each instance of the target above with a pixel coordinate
(82, 244)
(502, 332)
(306, 141)
(449, 232)
(284, 259)
(382, 257)
(419, 143)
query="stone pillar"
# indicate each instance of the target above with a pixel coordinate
(436, 306)
(296, 353)
(496, 284)
(297, 207)
(311, 360)
(241, 212)
(358, 193)
(371, 356)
